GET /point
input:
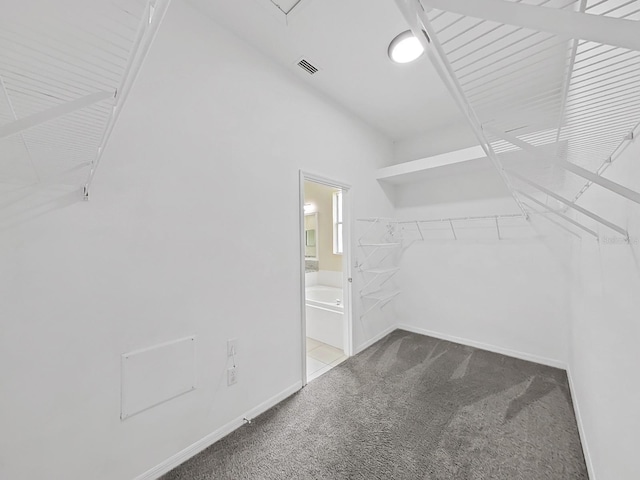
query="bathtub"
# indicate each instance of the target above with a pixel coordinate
(325, 315)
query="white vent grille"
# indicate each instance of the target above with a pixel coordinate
(307, 66)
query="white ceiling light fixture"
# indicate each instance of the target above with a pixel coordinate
(405, 48)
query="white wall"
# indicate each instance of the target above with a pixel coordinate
(507, 295)
(605, 356)
(172, 243)
(503, 295)
(548, 297)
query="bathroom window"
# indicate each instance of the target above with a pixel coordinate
(337, 223)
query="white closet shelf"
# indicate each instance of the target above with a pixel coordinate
(417, 170)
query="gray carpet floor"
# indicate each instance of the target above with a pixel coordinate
(409, 407)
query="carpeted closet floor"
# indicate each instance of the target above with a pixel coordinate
(409, 407)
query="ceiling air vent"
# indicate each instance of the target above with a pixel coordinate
(307, 66)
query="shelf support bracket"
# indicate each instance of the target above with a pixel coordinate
(453, 230)
(568, 203)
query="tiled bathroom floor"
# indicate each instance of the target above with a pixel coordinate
(321, 358)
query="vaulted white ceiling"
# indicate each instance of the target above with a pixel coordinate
(348, 42)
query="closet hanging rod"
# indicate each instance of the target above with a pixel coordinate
(455, 219)
(376, 219)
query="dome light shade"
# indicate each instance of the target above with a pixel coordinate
(405, 48)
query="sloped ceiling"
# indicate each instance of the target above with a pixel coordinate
(348, 42)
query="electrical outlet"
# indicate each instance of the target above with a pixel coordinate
(232, 347)
(232, 376)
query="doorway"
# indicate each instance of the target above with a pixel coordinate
(326, 280)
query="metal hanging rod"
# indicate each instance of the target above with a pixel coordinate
(457, 219)
(376, 219)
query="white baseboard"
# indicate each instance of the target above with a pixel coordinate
(216, 435)
(373, 340)
(485, 346)
(531, 358)
(581, 432)
(226, 429)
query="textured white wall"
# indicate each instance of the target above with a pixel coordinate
(606, 329)
(193, 228)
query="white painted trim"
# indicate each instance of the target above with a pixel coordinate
(312, 177)
(581, 432)
(228, 428)
(303, 281)
(347, 202)
(373, 340)
(485, 346)
(216, 435)
(347, 261)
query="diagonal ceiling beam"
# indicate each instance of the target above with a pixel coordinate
(424, 32)
(568, 203)
(561, 215)
(567, 79)
(571, 167)
(596, 28)
(52, 113)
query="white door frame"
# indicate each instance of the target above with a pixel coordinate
(346, 262)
